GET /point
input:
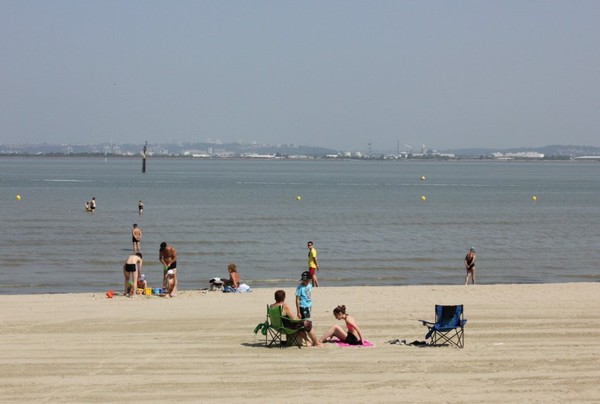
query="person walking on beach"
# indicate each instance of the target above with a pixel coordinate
(140, 207)
(132, 266)
(313, 265)
(304, 296)
(136, 238)
(470, 266)
(168, 258)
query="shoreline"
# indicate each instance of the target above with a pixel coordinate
(118, 287)
(523, 342)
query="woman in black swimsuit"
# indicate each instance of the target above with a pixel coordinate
(470, 266)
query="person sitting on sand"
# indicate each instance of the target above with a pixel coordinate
(352, 337)
(234, 277)
(291, 321)
(142, 284)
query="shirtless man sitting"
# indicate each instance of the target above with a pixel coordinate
(168, 258)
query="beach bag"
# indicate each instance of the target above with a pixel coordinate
(215, 285)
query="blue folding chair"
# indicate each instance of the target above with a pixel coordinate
(448, 327)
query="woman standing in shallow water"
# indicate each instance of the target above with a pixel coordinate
(470, 265)
(352, 337)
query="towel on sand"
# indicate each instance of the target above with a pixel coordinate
(366, 344)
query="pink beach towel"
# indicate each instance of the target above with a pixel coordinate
(366, 344)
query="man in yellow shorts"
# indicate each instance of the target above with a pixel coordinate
(313, 265)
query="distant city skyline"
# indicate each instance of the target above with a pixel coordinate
(256, 150)
(337, 74)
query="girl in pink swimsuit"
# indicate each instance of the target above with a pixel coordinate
(352, 337)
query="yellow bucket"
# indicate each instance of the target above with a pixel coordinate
(148, 291)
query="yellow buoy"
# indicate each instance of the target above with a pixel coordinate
(18, 197)
(298, 197)
(423, 198)
(534, 198)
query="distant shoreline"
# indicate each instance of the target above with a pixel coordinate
(295, 151)
(585, 159)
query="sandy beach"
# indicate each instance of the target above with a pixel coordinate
(523, 343)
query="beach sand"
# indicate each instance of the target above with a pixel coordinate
(523, 343)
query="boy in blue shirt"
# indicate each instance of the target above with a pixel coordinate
(303, 296)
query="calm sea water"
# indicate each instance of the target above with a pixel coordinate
(367, 219)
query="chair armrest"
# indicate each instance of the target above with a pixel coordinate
(427, 323)
(291, 320)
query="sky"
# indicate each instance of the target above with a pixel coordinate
(337, 74)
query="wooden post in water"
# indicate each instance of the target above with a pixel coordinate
(144, 158)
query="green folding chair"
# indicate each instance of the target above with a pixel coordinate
(279, 326)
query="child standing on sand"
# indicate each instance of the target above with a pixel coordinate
(303, 296)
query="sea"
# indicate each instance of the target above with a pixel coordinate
(407, 222)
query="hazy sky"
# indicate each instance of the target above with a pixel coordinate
(338, 74)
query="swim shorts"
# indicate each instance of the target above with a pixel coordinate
(312, 271)
(172, 266)
(130, 267)
(304, 312)
(352, 340)
(296, 324)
